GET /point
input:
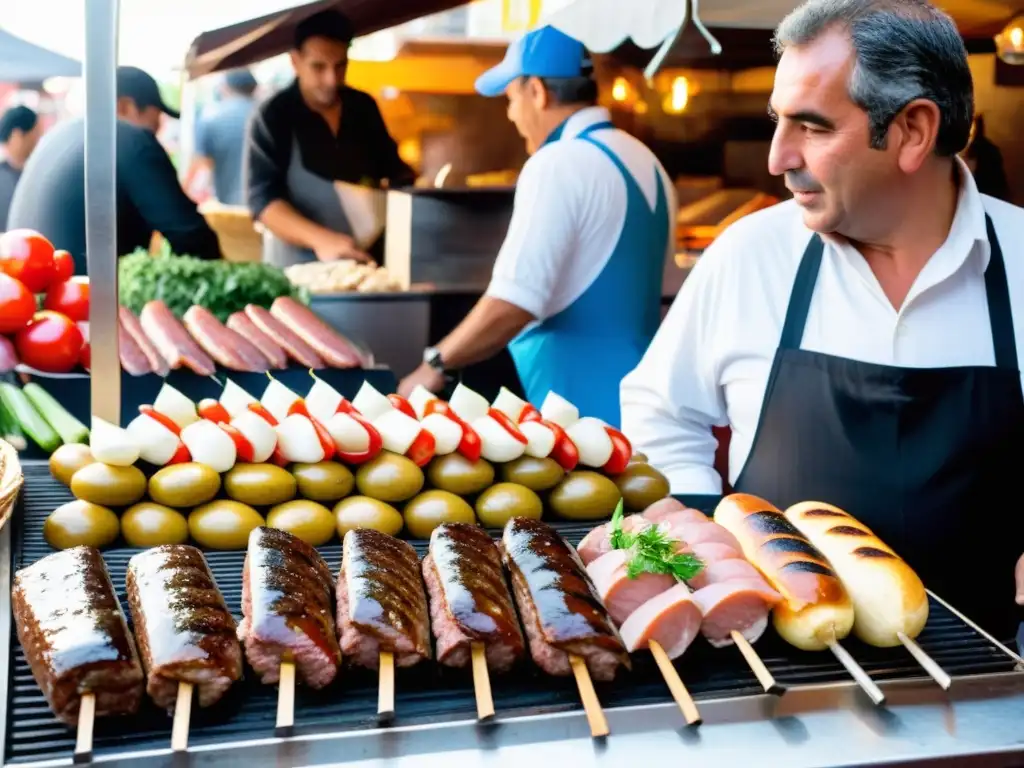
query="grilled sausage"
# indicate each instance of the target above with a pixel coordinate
(230, 349)
(288, 615)
(561, 610)
(297, 349)
(888, 597)
(469, 599)
(240, 323)
(335, 349)
(172, 340)
(816, 608)
(185, 632)
(132, 327)
(381, 602)
(74, 634)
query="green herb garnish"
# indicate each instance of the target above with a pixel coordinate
(652, 551)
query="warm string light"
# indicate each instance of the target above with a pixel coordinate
(1010, 42)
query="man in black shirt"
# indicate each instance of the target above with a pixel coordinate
(50, 197)
(313, 133)
(20, 130)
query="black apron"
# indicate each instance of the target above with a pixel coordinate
(920, 455)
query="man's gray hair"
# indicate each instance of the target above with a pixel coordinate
(905, 50)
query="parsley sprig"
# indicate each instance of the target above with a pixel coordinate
(652, 551)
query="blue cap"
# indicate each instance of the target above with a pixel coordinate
(544, 52)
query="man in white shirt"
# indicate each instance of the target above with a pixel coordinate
(576, 288)
(861, 342)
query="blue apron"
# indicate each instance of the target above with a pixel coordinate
(585, 351)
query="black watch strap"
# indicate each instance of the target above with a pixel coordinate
(432, 357)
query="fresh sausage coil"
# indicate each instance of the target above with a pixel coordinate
(888, 596)
(816, 609)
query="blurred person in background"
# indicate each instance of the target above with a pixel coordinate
(306, 137)
(50, 197)
(986, 162)
(20, 129)
(220, 137)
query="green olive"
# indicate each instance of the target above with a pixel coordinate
(309, 521)
(457, 474)
(326, 482)
(79, 523)
(223, 524)
(535, 474)
(184, 485)
(152, 525)
(68, 459)
(500, 503)
(364, 512)
(431, 508)
(389, 477)
(584, 496)
(259, 485)
(641, 485)
(638, 458)
(108, 486)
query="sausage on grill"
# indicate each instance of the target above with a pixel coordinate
(562, 613)
(184, 629)
(469, 599)
(75, 636)
(381, 602)
(287, 596)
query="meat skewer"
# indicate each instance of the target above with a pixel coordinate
(568, 628)
(288, 620)
(383, 618)
(471, 609)
(76, 640)
(186, 634)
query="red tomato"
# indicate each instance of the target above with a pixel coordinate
(298, 407)
(181, 456)
(622, 451)
(422, 449)
(470, 445)
(565, 451)
(439, 406)
(17, 305)
(211, 410)
(243, 448)
(345, 407)
(278, 458)
(508, 425)
(529, 414)
(403, 405)
(159, 418)
(27, 256)
(372, 449)
(50, 342)
(63, 266)
(70, 298)
(85, 357)
(326, 441)
(264, 414)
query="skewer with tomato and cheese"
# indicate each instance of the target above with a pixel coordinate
(300, 437)
(394, 418)
(545, 438)
(501, 440)
(355, 438)
(451, 434)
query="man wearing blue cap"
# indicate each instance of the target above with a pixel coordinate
(576, 288)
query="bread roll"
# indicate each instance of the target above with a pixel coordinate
(888, 597)
(815, 609)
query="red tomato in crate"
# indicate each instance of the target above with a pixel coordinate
(85, 357)
(70, 298)
(17, 304)
(63, 266)
(27, 256)
(50, 342)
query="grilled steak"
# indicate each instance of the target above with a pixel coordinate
(469, 599)
(74, 634)
(185, 632)
(559, 605)
(287, 595)
(381, 602)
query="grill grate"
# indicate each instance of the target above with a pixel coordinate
(427, 693)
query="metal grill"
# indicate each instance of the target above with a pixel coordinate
(427, 693)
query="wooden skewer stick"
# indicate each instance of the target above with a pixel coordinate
(482, 682)
(286, 699)
(675, 684)
(386, 690)
(182, 716)
(938, 674)
(966, 620)
(591, 705)
(86, 718)
(857, 673)
(757, 665)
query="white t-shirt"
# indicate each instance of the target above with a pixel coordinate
(710, 360)
(570, 208)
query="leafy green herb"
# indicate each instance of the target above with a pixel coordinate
(652, 551)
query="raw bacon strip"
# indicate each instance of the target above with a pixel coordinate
(335, 349)
(133, 360)
(222, 344)
(157, 363)
(240, 323)
(672, 618)
(172, 340)
(284, 337)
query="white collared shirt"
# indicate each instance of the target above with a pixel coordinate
(710, 360)
(570, 208)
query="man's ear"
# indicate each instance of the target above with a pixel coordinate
(293, 55)
(538, 93)
(125, 106)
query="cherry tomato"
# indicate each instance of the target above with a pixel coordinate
(159, 418)
(470, 445)
(278, 458)
(211, 410)
(85, 357)
(403, 405)
(298, 407)
(565, 451)
(63, 266)
(264, 414)
(440, 406)
(17, 305)
(70, 298)
(508, 425)
(27, 256)
(529, 414)
(50, 342)
(422, 449)
(622, 451)
(181, 456)
(374, 447)
(326, 441)
(243, 448)
(345, 407)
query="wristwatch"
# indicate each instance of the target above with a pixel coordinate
(432, 357)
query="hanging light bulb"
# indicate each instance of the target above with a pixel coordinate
(1010, 42)
(678, 96)
(620, 89)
